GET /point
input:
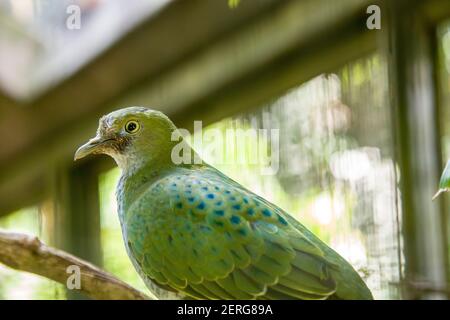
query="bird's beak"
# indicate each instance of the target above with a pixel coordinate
(92, 146)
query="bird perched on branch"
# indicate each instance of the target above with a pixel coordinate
(192, 231)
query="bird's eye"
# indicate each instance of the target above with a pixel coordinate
(132, 126)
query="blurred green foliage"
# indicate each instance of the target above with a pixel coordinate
(233, 3)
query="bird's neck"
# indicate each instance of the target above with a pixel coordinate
(134, 181)
(141, 171)
(137, 157)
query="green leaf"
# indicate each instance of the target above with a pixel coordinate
(445, 178)
(444, 183)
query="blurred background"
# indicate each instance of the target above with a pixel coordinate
(363, 116)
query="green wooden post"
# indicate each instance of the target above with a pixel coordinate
(77, 213)
(410, 46)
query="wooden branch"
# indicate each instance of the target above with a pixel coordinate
(27, 253)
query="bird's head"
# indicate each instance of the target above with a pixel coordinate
(131, 136)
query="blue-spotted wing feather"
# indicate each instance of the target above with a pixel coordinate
(205, 236)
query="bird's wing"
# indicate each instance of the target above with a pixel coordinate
(214, 240)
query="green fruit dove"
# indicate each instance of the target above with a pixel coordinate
(192, 232)
(444, 183)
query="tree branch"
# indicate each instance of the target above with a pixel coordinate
(28, 253)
